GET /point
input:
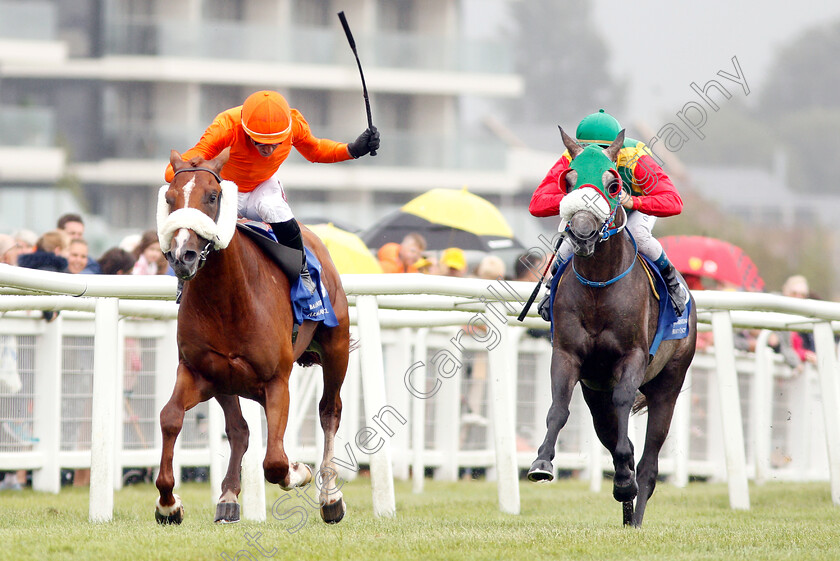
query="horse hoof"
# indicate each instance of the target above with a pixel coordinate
(541, 470)
(625, 493)
(308, 478)
(227, 513)
(333, 513)
(295, 480)
(173, 514)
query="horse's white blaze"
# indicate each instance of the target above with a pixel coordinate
(188, 191)
(179, 243)
(192, 218)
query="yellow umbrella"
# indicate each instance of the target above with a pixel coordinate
(347, 250)
(458, 208)
(446, 218)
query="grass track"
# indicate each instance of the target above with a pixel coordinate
(448, 521)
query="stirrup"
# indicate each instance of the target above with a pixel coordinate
(678, 303)
(544, 307)
(306, 278)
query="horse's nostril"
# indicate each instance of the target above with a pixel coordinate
(189, 257)
(583, 225)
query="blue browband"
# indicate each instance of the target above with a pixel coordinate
(208, 170)
(615, 279)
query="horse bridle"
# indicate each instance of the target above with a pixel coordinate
(202, 256)
(606, 233)
(208, 170)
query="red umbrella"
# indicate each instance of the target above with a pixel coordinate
(712, 258)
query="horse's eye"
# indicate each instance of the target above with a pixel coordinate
(213, 197)
(614, 187)
(170, 200)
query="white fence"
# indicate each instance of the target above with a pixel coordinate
(423, 392)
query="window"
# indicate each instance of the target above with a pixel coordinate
(315, 107)
(215, 99)
(393, 111)
(312, 13)
(396, 15)
(230, 10)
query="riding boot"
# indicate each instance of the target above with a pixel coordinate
(288, 234)
(675, 289)
(544, 307)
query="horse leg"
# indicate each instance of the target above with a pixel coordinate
(276, 464)
(608, 412)
(564, 376)
(187, 394)
(661, 394)
(334, 367)
(227, 509)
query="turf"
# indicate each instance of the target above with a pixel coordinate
(562, 520)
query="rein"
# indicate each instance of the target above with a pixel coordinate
(602, 284)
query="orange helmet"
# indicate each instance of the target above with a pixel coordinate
(266, 117)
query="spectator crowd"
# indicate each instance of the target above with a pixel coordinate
(65, 249)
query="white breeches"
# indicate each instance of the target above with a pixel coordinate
(266, 203)
(638, 224)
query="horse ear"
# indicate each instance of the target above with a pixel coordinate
(220, 160)
(176, 160)
(612, 150)
(573, 147)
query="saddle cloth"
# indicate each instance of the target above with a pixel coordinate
(669, 325)
(305, 306)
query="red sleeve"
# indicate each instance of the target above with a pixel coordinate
(798, 345)
(660, 197)
(546, 199)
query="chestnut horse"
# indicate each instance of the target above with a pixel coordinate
(235, 337)
(605, 317)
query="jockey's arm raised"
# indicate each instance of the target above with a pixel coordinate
(246, 167)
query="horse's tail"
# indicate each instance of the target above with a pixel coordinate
(639, 404)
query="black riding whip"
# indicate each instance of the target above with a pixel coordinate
(359, 63)
(536, 291)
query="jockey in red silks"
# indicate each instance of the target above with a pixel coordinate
(260, 134)
(652, 194)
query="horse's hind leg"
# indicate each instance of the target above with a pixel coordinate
(563, 379)
(227, 509)
(335, 368)
(661, 394)
(186, 395)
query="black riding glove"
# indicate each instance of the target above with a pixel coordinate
(367, 142)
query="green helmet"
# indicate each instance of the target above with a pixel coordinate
(598, 128)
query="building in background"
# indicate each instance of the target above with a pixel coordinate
(95, 93)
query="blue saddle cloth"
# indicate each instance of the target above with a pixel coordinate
(305, 306)
(669, 325)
